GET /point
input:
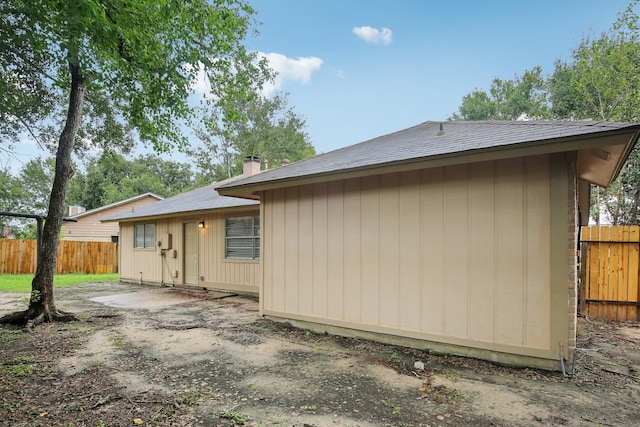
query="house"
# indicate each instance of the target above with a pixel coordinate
(89, 226)
(198, 238)
(458, 237)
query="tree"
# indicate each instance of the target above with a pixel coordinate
(35, 179)
(269, 130)
(602, 83)
(9, 198)
(28, 193)
(508, 99)
(174, 177)
(111, 178)
(135, 62)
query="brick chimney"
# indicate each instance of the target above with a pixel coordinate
(75, 210)
(250, 166)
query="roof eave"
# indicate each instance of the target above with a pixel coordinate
(549, 146)
(183, 214)
(629, 148)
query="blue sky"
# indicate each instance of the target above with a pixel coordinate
(357, 69)
(428, 55)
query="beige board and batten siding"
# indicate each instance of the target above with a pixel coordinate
(460, 255)
(218, 273)
(90, 228)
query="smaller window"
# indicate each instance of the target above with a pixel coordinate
(144, 236)
(242, 238)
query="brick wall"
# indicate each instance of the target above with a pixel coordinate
(572, 255)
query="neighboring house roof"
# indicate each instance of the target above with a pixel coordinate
(115, 204)
(430, 141)
(205, 198)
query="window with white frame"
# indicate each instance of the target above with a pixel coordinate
(144, 236)
(242, 238)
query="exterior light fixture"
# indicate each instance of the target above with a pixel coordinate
(201, 224)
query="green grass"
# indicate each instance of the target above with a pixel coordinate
(22, 282)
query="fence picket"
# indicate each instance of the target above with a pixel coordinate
(19, 257)
(612, 272)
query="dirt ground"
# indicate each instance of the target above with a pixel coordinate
(189, 359)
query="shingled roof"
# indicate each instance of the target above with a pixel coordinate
(201, 199)
(115, 204)
(433, 140)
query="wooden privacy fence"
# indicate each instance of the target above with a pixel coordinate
(610, 271)
(19, 257)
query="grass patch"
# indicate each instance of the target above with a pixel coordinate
(117, 339)
(236, 418)
(22, 282)
(20, 370)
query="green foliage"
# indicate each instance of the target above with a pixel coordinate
(35, 180)
(117, 339)
(190, 398)
(477, 105)
(9, 200)
(35, 295)
(22, 282)
(26, 193)
(19, 370)
(125, 66)
(236, 418)
(267, 129)
(26, 97)
(111, 178)
(141, 61)
(395, 408)
(108, 178)
(603, 83)
(507, 99)
(600, 82)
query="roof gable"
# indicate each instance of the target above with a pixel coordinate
(116, 204)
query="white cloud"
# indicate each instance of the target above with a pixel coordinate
(200, 84)
(373, 35)
(289, 69)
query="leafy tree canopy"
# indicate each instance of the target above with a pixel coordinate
(111, 178)
(28, 193)
(600, 82)
(139, 59)
(507, 99)
(269, 129)
(125, 64)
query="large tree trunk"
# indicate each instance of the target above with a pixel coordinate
(42, 307)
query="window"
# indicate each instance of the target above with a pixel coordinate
(144, 236)
(242, 238)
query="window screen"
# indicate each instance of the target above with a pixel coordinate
(242, 238)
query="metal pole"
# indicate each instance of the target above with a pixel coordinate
(39, 239)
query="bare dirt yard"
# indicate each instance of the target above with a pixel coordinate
(173, 357)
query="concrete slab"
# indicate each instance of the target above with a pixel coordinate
(13, 301)
(152, 299)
